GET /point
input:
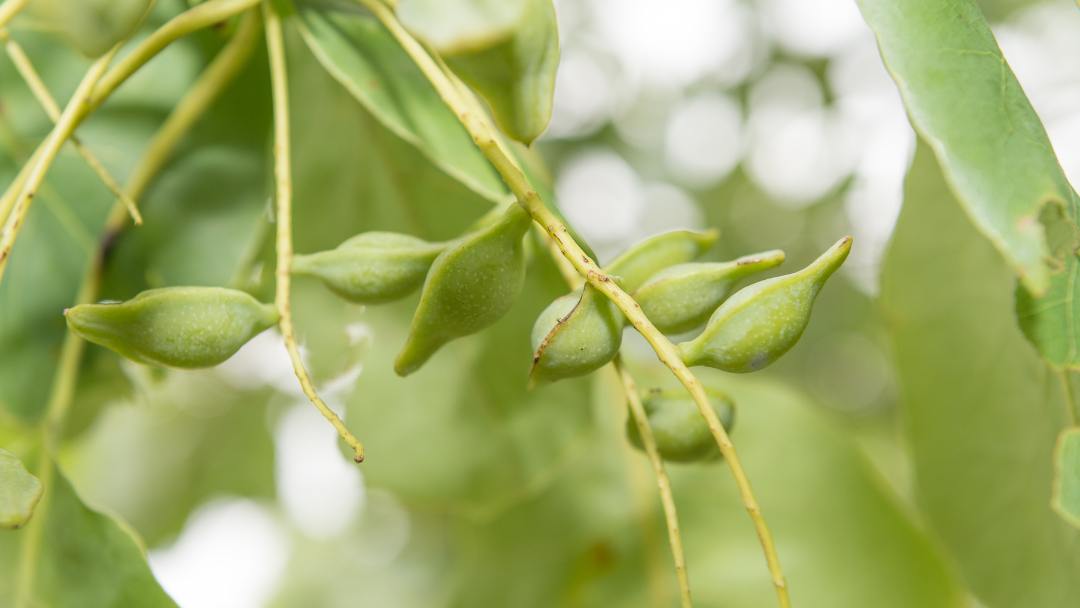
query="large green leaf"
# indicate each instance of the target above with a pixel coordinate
(964, 100)
(843, 539)
(982, 409)
(180, 441)
(507, 50)
(83, 560)
(368, 62)
(19, 491)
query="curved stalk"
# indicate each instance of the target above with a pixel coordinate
(486, 139)
(283, 181)
(671, 517)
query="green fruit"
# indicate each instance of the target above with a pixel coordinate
(514, 69)
(639, 263)
(373, 267)
(471, 285)
(185, 327)
(763, 321)
(681, 433)
(681, 297)
(574, 335)
(94, 26)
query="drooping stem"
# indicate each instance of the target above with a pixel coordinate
(45, 99)
(275, 44)
(671, 516)
(42, 160)
(207, 88)
(488, 142)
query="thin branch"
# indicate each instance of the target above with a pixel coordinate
(41, 92)
(637, 412)
(9, 9)
(42, 160)
(283, 179)
(486, 139)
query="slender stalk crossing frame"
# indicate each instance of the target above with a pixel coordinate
(671, 515)
(527, 196)
(283, 181)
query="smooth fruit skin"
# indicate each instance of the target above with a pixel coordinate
(682, 297)
(679, 429)
(637, 264)
(576, 334)
(373, 267)
(471, 285)
(763, 321)
(185, 327)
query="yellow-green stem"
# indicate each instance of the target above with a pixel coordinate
(275, 44)
(45, 99)
(527, 197)
(641, 420)
(9, 9)
(75, 110)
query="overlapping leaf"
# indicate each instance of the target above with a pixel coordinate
(19, 491)
(83, 559)
(965, 101)
(368, 62)
(983, 411)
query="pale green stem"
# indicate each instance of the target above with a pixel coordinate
(9, 9)
(207, 88)
(486, 139)
(75, 110)
(41, 92)
(275, 44)
(637, 412)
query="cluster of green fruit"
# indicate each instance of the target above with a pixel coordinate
(472, 281)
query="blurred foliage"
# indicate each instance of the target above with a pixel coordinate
(903, 452)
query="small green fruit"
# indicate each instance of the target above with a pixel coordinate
(186, 327)
(763, 321)
(646, 258)
(680, 298)
(373, 267)
(471, 284)
(679, 429)
(574, 335)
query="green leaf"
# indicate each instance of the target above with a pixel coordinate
(581, 544)
(368, 62)
(84, 559)
(966, 103)
(1066, 499)
(507, 51)
(181, 441)
(982, 409)
(19, 491)
(1052, 322)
